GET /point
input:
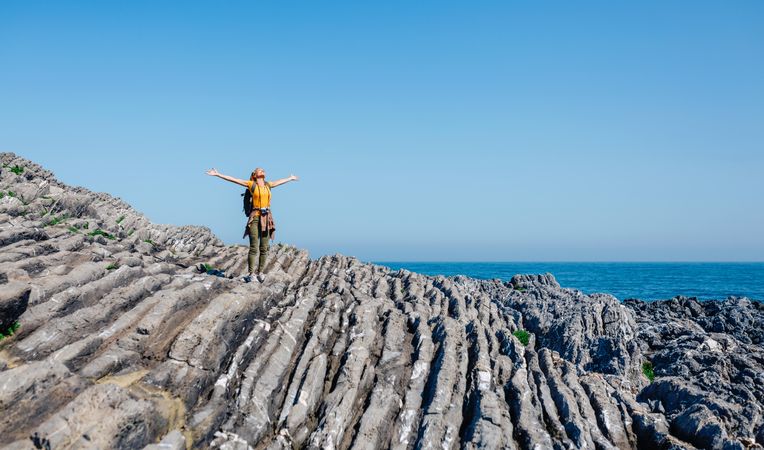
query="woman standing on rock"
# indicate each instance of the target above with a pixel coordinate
(260, 226)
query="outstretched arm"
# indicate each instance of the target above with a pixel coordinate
(215, 173)
(284, 180)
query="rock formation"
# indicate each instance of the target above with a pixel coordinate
(124, 343)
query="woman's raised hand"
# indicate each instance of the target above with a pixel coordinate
(293, 177)
(213, 172)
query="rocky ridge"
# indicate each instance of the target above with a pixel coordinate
(123, 343)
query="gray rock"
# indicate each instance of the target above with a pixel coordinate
(174, 440)
(14, 298)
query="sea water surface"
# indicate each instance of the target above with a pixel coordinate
(646, 281)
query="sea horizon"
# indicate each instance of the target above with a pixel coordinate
(644, 280)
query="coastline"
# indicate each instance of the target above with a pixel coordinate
(625, 280)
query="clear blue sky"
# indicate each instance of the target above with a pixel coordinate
(432, 130)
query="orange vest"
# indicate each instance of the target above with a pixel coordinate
(261, 196)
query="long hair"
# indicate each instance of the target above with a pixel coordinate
(252, 175)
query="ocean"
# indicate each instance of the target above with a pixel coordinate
(646, 281)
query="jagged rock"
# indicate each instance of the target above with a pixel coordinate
(124, 344)
(174, 440)
(14, 298)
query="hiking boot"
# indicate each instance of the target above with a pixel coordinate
(260, 277)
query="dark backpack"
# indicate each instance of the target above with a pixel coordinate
(248, 198)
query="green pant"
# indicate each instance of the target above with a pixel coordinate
(257, 239)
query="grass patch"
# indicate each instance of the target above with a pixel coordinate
(11, 194)
(121, 218)
(207, 267)
(523, 336)
(517, 287)
(10, 331)
(57, 220)
(18, 170)
(100, 232)
(74, 229)
(149, 241)
(647, 370)
(86, 225)
(112, 266)
(130, 232)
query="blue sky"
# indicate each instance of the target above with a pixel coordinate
(451, 131)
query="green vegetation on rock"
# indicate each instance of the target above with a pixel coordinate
(647, 370)
(523, 336)
(100, 232)
(57, 220)
(10, 331)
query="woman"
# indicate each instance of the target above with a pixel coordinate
(260, 226)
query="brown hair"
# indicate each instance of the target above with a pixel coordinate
(252, 175)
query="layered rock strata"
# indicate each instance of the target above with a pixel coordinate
(123, 343)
